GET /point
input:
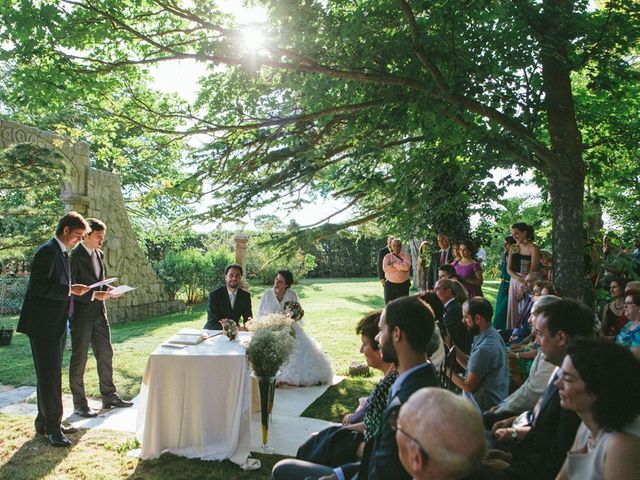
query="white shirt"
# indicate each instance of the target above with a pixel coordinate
(269, 302)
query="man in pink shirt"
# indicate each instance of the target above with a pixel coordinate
(396, 267)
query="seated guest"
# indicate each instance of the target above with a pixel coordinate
(229, 302)
(273, 299)
(406, 325)
(364, 422)
(446, 271)
(486, 381)
(633, 286)
(629, 336)
(522, 330)
(435, 348)
(539, 446)
(528, 394)
(439, 435)
(455, 333)
(599, 382)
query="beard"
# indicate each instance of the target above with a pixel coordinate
(389, 354)
(474, 329)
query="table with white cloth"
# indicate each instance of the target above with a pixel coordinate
(195, 402)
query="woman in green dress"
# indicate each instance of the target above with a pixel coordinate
(502, 300)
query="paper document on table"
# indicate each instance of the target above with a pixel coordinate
(190, 331)
(186, 339)
(120, 289)
(103, 282)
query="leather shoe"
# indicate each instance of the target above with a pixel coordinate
(58, 439)
(116, 402)
(63, 429)
(85, 412)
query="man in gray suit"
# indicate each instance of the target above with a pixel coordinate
(89, 324)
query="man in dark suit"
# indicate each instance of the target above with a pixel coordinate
(443, 256)
(381, 254)
(89, 324)
(539, 449)
(43, 318)
(229, 302)
(406, 326)
(456, 332)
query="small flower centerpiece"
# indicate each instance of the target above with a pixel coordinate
(230, 329)
(293, 310)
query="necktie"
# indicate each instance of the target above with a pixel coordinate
(443, 257)
(232, 300)
(96, 263)
(67, 265)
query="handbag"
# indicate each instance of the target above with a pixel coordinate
(333, 446)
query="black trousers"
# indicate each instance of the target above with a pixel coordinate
(47, 360)
(94, 332)
(395, 290)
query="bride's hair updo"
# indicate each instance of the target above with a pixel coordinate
(288, 277)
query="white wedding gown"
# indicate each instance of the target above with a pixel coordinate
(307, 365)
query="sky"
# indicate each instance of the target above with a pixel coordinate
(181, 77)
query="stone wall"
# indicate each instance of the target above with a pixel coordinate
(95, 193)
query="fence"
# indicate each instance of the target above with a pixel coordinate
(12, 291)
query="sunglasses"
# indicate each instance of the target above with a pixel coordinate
(393, 425)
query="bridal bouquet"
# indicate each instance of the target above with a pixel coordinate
(230, 329)
(293, 310)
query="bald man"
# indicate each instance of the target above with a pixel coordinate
(440, 436)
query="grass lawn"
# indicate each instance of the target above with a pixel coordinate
(332, 310)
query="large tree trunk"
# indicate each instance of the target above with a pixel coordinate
(565, 168)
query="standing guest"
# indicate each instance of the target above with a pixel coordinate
(629, 336)
(469, 270)
(406, 325)
(456, 251)
(229, 302)
(607, 444)
(486, 381)
(89, 324)
(423, 265)
(273, 299)
(444, 256)
(456, 333)
(396, 266)
(502, 300)
(439, 435)
(523, 258)
(381, 254)
(612, 316)
(46, 307)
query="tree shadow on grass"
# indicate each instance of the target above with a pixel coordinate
(374, 302)
(36, 458)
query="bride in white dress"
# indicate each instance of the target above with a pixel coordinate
(307, 365)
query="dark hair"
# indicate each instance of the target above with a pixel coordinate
(480, 306)
(527, 229)
(447, 268)
(470, 246)
(431, 299)
(510, 240)
(368, 326)
(571, 316)
(622, 283)
(288, 277)
(233, 265)
(608, 371)
(73, 220)
(96, 225)
(414, 318)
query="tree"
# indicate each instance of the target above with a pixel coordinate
(373, 101)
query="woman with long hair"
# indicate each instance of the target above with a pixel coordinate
(612, 315)
(523, 258)
(599, 381)
(469, 271)
(502, 300)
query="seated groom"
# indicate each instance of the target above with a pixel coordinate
(229, 302)
(406, 326)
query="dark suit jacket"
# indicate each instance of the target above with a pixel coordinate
(543, 451)
(434, 265)
(458, 331)
(381, 255)
(44, 310)
(82, 272)
(380, 459)
(220, 307)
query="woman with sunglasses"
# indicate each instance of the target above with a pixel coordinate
(629, 336)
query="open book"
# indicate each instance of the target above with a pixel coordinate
(187, 336)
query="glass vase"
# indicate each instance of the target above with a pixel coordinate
(266, 387)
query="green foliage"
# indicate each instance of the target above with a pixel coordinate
(346, 254)
(268, 350)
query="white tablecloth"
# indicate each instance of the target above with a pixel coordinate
(195, 402)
